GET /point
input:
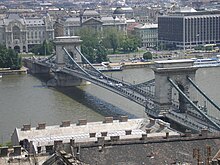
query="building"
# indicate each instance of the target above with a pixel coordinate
(42, 136)
(188, 28)
(148, 34)
(125, 141)
(90, 18)
(21, 33)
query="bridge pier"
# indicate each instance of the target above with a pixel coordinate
(34, 67)
(65, 80)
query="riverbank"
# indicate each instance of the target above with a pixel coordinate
(130, 65)
(8, 71)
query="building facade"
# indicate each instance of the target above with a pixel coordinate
(148, 34)
(21, 34)
(189, 29)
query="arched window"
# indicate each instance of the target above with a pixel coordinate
(16, 32)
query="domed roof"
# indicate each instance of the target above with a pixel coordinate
(118, 10)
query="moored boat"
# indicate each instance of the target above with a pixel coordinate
(106, 66)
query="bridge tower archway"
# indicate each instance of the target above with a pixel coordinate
(165, 94)
(70, 43)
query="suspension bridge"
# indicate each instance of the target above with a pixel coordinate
(170, 95)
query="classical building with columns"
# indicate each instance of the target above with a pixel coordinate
(92, 19)
(20, 33)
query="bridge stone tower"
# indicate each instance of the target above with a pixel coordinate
(165, 93)
(69, 42)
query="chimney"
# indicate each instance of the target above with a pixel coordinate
(204, 132)
(65, 123)
(152, 121)
(167, 135)
(144, 137)
(58, 145)
(82, 122)
(108, 120)
(123, 119)
(92, 134)
(26, 127)
(128, 132)
(114, 138)
(103, 133)
(188, 133)
(101, 140)
(41, 126)
(148, 130)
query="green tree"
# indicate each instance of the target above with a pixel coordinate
(111, 38)
(147, 55)
(9, 58)
(46, 48)
(92, 47)
(101, 54)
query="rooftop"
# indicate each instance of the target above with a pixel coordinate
(81, 132)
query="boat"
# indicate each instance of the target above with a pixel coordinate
(106, 66)
(206, 62)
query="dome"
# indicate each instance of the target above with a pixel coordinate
(118, 10)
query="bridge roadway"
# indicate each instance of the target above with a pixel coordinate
(141, 94)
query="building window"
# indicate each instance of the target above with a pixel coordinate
(16, 32)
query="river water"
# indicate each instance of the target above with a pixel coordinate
(24, 99)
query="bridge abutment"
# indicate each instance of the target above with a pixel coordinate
(165, 94)
(65, 80)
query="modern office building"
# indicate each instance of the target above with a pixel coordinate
(189, 28)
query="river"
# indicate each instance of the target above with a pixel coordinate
(24, 99)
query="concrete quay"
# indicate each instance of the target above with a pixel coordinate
(8, 71)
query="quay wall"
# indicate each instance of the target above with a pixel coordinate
(7, 71)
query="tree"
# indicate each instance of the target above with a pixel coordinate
(92, 46)
(147, 55)
(101, 54)
(111, 38)
(9, 58)
(46, 48)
